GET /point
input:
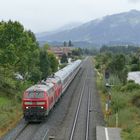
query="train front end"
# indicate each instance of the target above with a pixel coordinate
(34, 104)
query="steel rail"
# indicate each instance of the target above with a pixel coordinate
(44, 137)
(20, 132)
(88, 117)
(77, 110)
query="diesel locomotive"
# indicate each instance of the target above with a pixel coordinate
(39, 99)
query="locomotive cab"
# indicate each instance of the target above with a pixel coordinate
(35, 103)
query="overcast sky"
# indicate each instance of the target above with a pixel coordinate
(46, 15)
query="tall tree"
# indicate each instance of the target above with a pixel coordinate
(44, 63)
(65, 43)
(70, 43)
(53, 62)
(64, 58)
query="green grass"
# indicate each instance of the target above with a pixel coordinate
(4, 101)
(10, 105)
(10, 113)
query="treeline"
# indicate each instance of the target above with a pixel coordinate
(20, 54)
(119, 49)
(129, 56)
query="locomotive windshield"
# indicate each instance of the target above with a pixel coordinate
(35, 94)
(30, 94)
(39, 94)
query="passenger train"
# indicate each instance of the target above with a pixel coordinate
(39, 99)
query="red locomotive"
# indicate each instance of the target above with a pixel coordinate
(39, 99)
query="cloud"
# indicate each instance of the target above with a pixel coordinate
(134, 1)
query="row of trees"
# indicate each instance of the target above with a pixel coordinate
(20, 53)
(120, 49)
(115, 64)
(120, 63)
(69, 44)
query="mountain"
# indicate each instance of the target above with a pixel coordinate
(69, 26)
(122, 28)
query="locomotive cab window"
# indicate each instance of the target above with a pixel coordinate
(39, 94)
(30, 94)
(35, 94)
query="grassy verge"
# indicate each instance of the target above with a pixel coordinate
(126, 102)
(10, 114)
(10, 106)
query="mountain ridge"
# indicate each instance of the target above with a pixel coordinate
(121, 27)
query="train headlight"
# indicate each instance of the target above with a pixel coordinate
(40, 103)
(28, 103)
(27, 107)
(42, 107)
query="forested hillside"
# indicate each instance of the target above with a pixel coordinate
(122, 28)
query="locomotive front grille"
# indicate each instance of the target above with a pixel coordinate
(34, 113)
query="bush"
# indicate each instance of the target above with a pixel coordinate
(62, 65)
(134, 67)
(97, 66)
(136, 100)
(130, 86)
(119, 101)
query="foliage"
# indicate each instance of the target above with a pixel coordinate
(65, 43)
(19, 53)
(64, 58)
(44, 63)
(90, 51)
(77, 52)
(61, 66)
(114, 63)
(119, 49)
(125, 97)
(70, 43)
(130, 86)
(53, 62)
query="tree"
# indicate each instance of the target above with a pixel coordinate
(44, 63)
(70, 43)
(65, 43)
(17, 50)
(64, 59)
(118, 67)
(53, 62)
(77, 52)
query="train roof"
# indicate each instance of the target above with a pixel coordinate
(66, 70)
(53, 79)
(40, 87)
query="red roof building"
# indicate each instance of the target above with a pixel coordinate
(59, 51)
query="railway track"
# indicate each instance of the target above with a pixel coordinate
(88, 117)
(45, 137)
(85, 89)
(29, 131)
(21, 131)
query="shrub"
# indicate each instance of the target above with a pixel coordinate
(97, 66)
(119, 101)
(134, 67)
(136, 100)
(130, 86)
